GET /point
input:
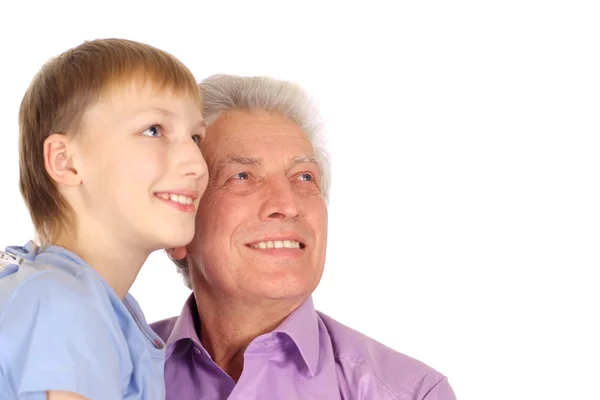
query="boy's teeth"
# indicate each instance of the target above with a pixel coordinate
(277, 244)
(177, 198)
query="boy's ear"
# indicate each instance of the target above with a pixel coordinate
(58, 159)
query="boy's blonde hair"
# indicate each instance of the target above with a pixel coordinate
(59, 95)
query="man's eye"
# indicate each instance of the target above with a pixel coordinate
(242, 176)
(306, 177)
(154, 130)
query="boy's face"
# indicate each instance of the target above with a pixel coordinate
(140, 167)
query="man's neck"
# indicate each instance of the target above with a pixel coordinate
(228, 326)
(117, 265)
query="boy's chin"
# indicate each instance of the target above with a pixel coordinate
(168, 234)
(180, 238)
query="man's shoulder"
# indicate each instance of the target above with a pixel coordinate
(397, 374)
(164, 327)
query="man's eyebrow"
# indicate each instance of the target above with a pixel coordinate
(307, 158)
(233, 159)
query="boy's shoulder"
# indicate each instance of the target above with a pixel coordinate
(41, 282)
(56, 313)
(49, 300)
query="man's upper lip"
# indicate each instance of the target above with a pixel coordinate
(194, 194)
(278, 237)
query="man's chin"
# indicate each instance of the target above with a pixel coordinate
(278, 297)
(279, 284)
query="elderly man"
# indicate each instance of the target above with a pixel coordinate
(250, 330)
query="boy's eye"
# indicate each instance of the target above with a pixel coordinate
(154, 130)
(197, 138)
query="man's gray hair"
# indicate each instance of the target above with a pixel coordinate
(229, 92)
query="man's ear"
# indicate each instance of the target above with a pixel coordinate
(177, 253)
(58, 160)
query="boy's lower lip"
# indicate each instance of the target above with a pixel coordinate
(189, 208)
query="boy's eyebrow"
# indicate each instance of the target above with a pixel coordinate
(163, 111)
(201, 124)
(169, 113)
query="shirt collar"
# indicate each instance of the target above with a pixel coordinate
(302, 326)
(184, 327)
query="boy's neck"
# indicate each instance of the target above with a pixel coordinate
(117, 265)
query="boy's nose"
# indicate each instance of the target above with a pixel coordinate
(192, 161)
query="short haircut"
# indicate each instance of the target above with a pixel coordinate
(57, 98)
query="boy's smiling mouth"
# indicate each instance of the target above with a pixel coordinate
(178, 198)
(183, 200)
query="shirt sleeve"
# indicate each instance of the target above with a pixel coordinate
(441, 391)
(53, 337)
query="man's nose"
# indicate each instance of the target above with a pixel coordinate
(280, 201)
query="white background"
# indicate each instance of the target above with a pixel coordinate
(464, 215)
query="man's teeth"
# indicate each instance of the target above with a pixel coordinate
(177, 198)
(277, 244)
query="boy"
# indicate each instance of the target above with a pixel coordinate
(110, 170)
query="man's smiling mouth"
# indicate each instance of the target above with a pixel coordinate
(277, 244)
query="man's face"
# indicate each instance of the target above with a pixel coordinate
(261, 228)
(141, 168)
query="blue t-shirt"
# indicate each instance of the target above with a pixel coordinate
(62, 327)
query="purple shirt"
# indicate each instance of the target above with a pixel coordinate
(309, 356)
